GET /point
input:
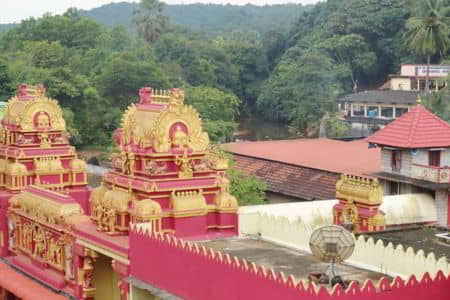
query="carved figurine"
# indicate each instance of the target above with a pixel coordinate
(39, 243)
(185, 166)
(154, 168)
(45, 140)
(180, 139)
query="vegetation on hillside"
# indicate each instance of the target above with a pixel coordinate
(289, 75)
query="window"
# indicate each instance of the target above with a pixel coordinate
(358, 110)
(434, 158)
(394, 188)
(396, 160)
(387, 112)
(400, 111)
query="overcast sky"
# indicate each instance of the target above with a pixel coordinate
(16, 10)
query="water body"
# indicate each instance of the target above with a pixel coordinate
(251, 129)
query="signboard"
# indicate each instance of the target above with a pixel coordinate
(435, 71)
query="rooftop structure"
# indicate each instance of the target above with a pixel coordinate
(122, 240)
(415, 156)
(303, 169)
(412, 77)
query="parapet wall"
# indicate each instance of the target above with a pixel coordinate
(368, 254)
(194, 272)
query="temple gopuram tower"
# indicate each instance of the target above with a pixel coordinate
(167, 175)
(34, 150)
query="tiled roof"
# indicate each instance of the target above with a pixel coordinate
(290, 180)
(382, 96)
(321, 154)
(418, 128)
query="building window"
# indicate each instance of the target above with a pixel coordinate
(387, 112)
(372, 111)
(394, 188)
(434, 158)
(358, 110)
(400, 111)
(396, 160)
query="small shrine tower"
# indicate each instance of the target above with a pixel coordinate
(166, 174)
(34, 150)
(359, 202)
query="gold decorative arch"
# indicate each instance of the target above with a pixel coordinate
(198, 140)
(46, 105)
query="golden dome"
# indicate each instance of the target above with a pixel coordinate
(118, 200)
(150, 123)
(16, 168)
(146, 208)
(28, 104)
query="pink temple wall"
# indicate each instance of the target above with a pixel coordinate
(193, 272)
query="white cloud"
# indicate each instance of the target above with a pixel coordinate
(17, 10)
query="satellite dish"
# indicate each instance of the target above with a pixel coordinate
(332, 244)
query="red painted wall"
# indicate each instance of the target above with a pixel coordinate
(193, 272)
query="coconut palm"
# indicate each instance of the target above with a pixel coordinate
(427, 31)
(149, 19)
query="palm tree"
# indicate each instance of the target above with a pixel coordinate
(427, 32)
(149, 19)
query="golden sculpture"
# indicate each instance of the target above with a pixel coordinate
(359, 189)
(185, 166)
(44, 140)
(180, 139)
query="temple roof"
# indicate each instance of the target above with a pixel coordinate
(161, 120)
(418, 128)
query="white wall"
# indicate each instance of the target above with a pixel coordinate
(442, 207)
(386, 156)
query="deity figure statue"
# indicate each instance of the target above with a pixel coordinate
(68, 265)
(153, 168)
(42, 121)
(11, 233)
(45, 140)
(111, 220)
(180, 138)
(39, 243)
(185, 166)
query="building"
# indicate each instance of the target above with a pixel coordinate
(412, 77)
(303, 169)
(415, 157)
(166, 179)
(368, 111)
(122, 240)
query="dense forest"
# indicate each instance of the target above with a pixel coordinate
(232, 61)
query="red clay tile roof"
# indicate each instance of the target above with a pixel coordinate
(290, 180)
(321, 154)
(418, 128)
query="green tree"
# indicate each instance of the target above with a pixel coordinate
(301, 89)
(217, 108)
(352, 52)
(150, 20)
(248, 190)
(439, 103)
(5, 82)
(427, 32)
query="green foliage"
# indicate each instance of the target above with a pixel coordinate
(301, 89)
(149, 19)
(428, 30)
(217, 108)
(248, 190)
(5, 82)
(336, 127)
(439, 104)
